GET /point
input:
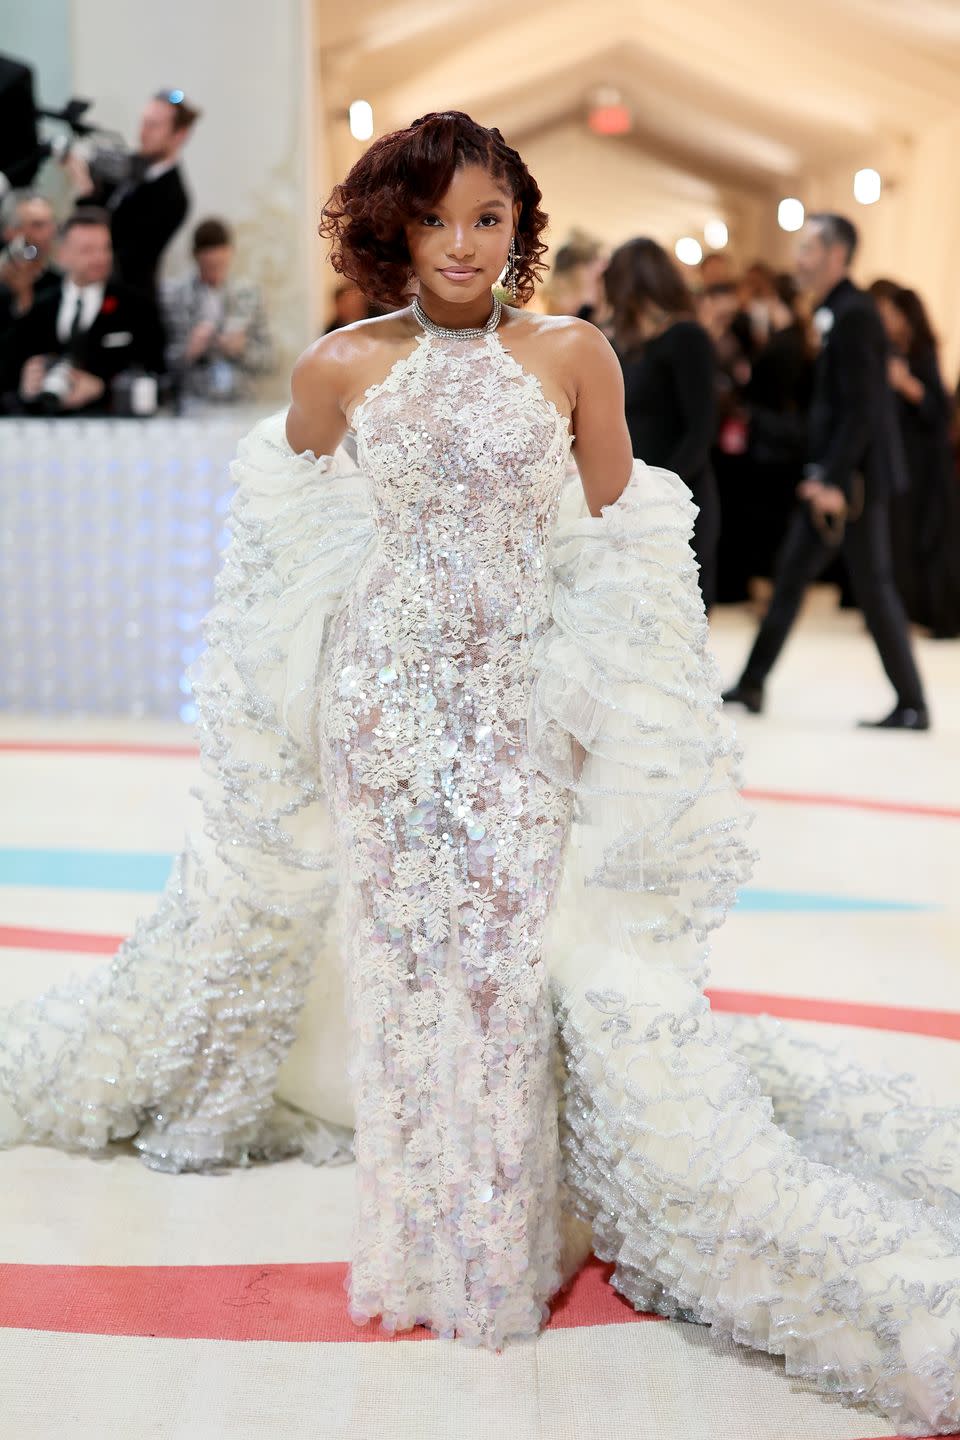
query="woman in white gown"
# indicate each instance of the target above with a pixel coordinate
(464, 772)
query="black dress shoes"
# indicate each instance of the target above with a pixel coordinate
(904, 717)
(750, 696)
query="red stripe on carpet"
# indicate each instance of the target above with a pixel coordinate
(240, 1302)
(942, 1023)
(94, 747)
(19, 937)
(854, 802)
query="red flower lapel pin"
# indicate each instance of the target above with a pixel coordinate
(109, 305)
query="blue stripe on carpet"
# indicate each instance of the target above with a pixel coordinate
(84, 869)
(140, 872)
(798, 900)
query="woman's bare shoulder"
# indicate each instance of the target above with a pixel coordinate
(566, 333)
(339, 357)
(534, 323)
(333, 372)
(574, 351)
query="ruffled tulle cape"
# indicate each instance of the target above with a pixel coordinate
(215, 1036)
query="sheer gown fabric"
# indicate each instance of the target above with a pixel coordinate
(465, 781)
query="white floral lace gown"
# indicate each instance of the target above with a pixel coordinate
(450, 842)
(464, 771)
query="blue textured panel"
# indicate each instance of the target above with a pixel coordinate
(111, 533)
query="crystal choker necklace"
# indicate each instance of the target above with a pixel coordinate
(474, 332)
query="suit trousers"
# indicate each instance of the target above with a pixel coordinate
(866, 548)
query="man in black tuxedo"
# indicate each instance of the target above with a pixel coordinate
(856, 464)
(149, 207)
(97, 326)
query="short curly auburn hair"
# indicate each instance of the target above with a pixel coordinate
(399, 178)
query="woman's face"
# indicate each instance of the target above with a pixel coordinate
(459, 248)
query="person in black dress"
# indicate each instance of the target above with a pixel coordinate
(925, 522)
(777, 404)
(761, 443)
(669, 375)
(718, 313)
(855, 464)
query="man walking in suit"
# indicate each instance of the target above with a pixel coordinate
(95, 325)
(856, 463)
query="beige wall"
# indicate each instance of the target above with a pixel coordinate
(912, 234)
(616, 191)
(246, 63)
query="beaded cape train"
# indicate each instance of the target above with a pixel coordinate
(465, 785)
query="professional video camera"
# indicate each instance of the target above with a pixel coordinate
(23, 149)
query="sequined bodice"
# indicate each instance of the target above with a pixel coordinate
(466, 458)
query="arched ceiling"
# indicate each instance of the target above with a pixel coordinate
(735, 103)
(751, 93)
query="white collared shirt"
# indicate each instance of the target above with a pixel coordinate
(92, 297)
(153, 172)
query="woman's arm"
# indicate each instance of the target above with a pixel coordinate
(602, 447)
(905, 382)
(315, 420)
(921, 386)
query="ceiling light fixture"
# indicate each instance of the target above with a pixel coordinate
(361, 119)
(867, 186)
(689, 251)
(790, 214)
(716, 234)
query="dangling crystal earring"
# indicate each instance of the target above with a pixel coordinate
(511, 275)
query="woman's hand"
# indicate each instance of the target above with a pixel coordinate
(903, 381)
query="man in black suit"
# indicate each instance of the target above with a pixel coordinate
(856, 464)
(97, 326)
(149, 207)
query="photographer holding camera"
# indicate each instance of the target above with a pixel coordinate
(73, 344)
(218, 338)
(145, 194)
(27, 272)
